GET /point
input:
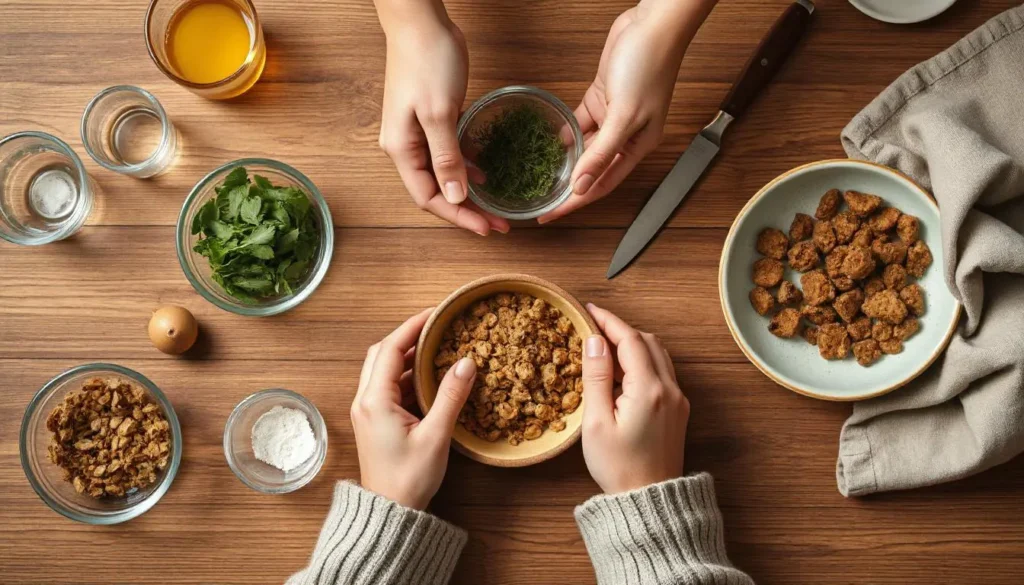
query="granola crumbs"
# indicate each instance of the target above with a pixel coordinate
(109, 438)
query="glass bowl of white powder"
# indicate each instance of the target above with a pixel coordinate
(275, 441)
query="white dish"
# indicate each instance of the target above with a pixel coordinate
(902, 11)
(793, 363)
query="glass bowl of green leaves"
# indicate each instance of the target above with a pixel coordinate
(255, 237)
(525, 141)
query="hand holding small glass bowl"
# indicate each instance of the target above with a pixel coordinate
(197, 267)
(491, 107)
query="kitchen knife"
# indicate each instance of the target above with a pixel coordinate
(775, 47)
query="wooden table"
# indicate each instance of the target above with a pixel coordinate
(318, 107)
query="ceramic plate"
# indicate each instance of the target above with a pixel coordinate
(902, 11)
(793, 363)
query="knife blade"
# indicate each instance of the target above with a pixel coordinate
(765, 62)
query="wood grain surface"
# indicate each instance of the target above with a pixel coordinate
(317, 108)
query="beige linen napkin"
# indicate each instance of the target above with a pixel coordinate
(955, 124)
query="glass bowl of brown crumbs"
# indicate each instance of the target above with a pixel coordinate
(100, 444)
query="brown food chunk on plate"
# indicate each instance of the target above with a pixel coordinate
(811, 334)
(817, 288)
(884, 219)
(888, 252)
(828, 206)
(908, 228)
(881, 331)
(863, 237)
(834, 261)
(801, 228)
(762, 300)
(872, 286)
(887, 306)
(892, 346)
(895, 277)
(848, 304)
(858, 263)
(789, 294)
(803, 256)
(862, 203)
(844, 283)
(824, 236)
(833, 341)
(772, 243)
(859, 329)
(768, 272)
(867, 352)
(845, 225)
(919, 258)
(785, 323)
(913, 297)
(819, 315)
(904, 330)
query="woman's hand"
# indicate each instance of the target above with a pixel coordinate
(623, 113)
(635, 437)
(424, 87)
(402, 457)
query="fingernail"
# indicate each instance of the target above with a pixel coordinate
(465, 369)
(595, 346)
(583, 184)
(453, 192)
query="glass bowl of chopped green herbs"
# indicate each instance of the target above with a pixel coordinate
(255, 237)
(526, 141)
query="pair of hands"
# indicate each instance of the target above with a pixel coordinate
(632, 437)
(622, 114)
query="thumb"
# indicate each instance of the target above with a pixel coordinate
(611, 140)
(446, 156)
(451, 395)
(598, 380)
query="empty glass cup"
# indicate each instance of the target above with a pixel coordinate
(126, 130)
(45, 193)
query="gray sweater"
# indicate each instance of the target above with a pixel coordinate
(667, 533)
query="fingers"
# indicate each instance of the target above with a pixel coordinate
(405, 145)
(390, 363)
(498, 224)
(451, 396)
(611, 140)
(632, 351)
(662, 363)
(463, 216)
(616, 173)
(598, 380)
(364, 374)
(445, 154)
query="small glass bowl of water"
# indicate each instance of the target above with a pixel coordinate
(45, 193)
(126, 130)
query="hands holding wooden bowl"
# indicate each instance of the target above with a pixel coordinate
(632, 420)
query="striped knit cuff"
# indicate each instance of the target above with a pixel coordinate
(368, 539)
(666, 533)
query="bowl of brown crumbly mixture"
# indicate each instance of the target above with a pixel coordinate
(100, 444)
(526, 336)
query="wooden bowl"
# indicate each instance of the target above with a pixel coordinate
(499, 453)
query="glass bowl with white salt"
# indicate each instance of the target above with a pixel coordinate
(45, 193)
(275, 441)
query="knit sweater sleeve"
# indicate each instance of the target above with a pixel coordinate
(368, 539)
(668, 533)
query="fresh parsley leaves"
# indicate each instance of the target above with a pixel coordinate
(260, 239)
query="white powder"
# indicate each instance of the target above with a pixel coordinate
(283, 438)
(52, 193)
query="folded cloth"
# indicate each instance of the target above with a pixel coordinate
(954, 124)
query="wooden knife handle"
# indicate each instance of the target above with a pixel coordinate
(766, 61)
